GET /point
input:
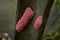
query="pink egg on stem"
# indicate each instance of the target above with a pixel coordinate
(38, 23)
(28, 14)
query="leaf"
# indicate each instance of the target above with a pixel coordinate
(59, 4)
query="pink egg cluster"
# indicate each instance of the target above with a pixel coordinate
(28, 14)
(38, 23)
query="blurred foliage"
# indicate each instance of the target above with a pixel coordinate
(59, 3)
(52, 34)
(53, 30)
